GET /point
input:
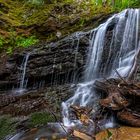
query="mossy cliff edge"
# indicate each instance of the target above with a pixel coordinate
(25, 23)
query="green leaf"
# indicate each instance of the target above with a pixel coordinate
(109, 133)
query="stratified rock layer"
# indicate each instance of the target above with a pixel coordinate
(54, 63)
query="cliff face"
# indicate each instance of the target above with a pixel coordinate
(54, 62)
(49, 65)
(50, 70)
(47, 62)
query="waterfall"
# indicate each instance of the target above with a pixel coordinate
(23, 80)
(102, 61)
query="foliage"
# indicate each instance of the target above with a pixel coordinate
(1, 41)
(36, 2)
(67, 16)
(40, 118)
(109, 135)
(119, 4)
(9, 50)
(14, 41)
(7, 126)
(26, 42)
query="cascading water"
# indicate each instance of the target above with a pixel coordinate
(103, 60)
(23, 81)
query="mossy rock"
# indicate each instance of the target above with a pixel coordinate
(40, 118)
(7, 126)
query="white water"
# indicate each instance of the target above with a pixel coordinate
(23, 80)
(102, 62)
(22, 83)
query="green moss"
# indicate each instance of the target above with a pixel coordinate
(7, 126)
(1, 42)
(9, 50)
(14, 41)
(40, 118)
(22, 15)
(26, 42)
(36, 2)
(66, 16)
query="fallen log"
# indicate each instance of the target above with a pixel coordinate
(129, 117)
(114, 101)
(82, 136)
(82, 114)
(121, 96)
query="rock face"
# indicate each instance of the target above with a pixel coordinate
(50, 70)
(48, 99)
(52, 64)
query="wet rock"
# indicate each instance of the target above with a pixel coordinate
(129, 117)
(6, 100)
(35, 100)
(24, 107)
(49, 62)
(122, 133)
(123, 98)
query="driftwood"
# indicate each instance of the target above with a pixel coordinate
(82, 136)
(82, 114)
(114, 101)
(120, 96)
(130, 117)
(123, 97)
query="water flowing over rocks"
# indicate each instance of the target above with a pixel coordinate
(44, 76)
(107, 58)
(52, 64)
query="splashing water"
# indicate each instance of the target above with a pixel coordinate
(102, 60)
